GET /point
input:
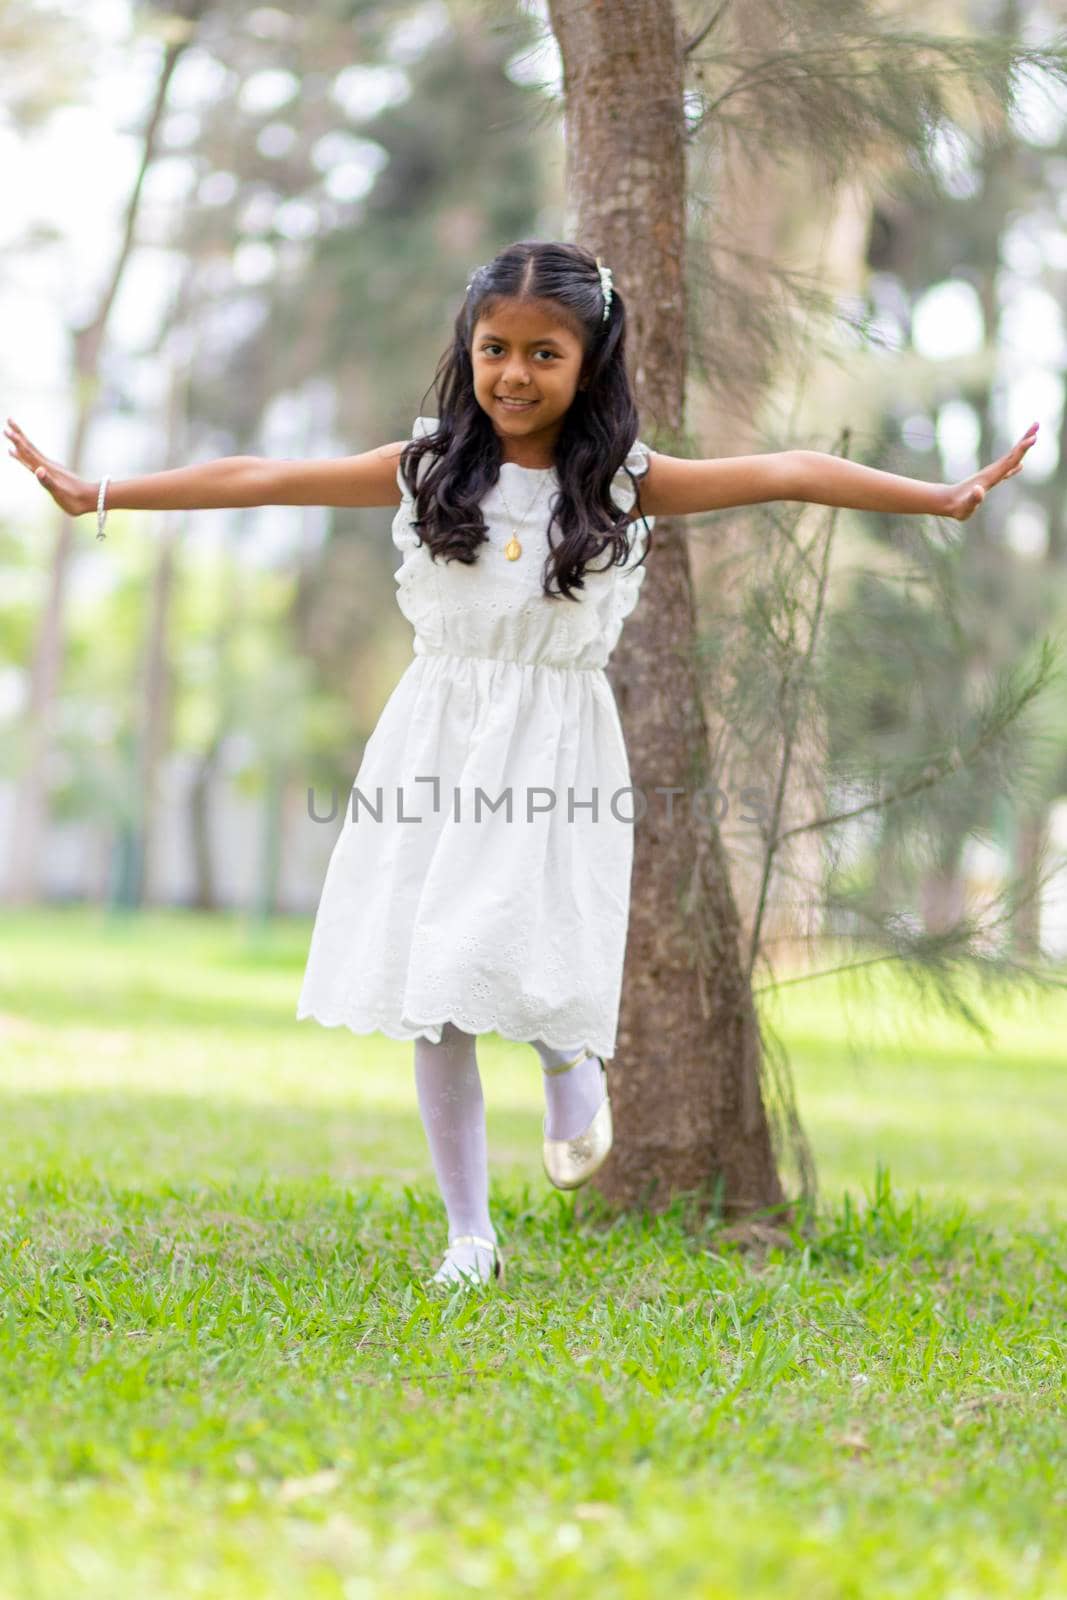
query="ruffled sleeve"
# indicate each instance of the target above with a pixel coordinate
(631, 574)
(416, 579)
(405, 536)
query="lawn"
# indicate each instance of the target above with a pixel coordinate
(222, 1375)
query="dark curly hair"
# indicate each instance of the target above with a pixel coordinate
(598, 433)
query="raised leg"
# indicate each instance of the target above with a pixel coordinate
(571, 1097)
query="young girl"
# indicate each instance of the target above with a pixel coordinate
(480, 881)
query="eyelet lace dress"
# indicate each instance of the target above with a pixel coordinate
(439, 905)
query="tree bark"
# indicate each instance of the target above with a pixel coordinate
(686, 1079)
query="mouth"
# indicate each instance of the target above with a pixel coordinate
(515, 405)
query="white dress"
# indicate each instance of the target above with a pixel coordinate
(435, 904)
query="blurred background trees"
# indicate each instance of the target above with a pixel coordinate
(308, 196)
(248, 230)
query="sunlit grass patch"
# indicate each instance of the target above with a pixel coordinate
(221, 1371)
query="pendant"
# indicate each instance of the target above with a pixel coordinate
(513, 549)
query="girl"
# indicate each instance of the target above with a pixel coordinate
(480, 881)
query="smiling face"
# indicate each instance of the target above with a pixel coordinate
(521, 351)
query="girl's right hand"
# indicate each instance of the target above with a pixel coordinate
(73, 495)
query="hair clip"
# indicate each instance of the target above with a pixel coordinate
(606, 286)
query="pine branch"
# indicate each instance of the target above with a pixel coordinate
(698, 38)
(791, 721)
(840, 99)
(1001, 715)
(926, 957)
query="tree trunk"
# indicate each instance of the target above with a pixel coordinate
(272, 822)
(202, 791)
(685, 1082)
(205, 897)
(1028, 850)
(942, 892)
(154, 731)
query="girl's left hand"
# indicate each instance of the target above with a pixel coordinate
(965, 498)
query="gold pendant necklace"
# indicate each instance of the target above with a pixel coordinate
(513, 549)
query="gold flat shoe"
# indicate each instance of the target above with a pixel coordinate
(571, 1162)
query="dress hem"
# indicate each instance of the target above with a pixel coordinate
(366, 1025)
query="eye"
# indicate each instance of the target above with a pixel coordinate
(487, 348)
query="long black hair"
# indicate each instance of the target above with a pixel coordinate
(599, 430)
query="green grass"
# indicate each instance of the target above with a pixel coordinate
(221, 1375)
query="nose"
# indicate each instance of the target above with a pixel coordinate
(516, 375)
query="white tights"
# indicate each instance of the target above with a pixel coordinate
(452, 1107)
(453, 1115)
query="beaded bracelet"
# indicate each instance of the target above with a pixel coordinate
(101, 514)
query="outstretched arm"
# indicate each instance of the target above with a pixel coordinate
(674, 486)
(368, 479)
